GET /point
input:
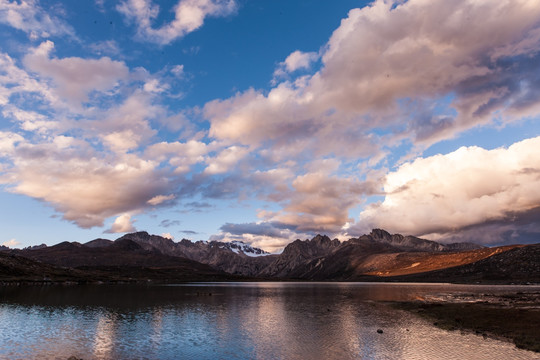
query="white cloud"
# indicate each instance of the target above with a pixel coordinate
(122, 224)
(189, 16)
(8, 140)
(28, 16)
(87, 162)
(226, 160)
(75, 77)
(11, 243)
(154, 86)
(14, 80)
(299, 60)
(100, 4)
(125, 126)
(425, 50)
(178, 70)
(288, 121)
(471, 186)
(85, 185)
(107, 47)
(179, 155)
(320, 202)
(167, 236)
(273, 184)
(121, 141)
(30, 120)
(295, 61)
(159, 199)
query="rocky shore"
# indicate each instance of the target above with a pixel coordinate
(512, 317)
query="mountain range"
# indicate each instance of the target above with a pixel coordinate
(378, 256)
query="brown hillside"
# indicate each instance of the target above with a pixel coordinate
(413, 263)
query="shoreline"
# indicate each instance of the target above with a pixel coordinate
(513, 317)
(111, 280)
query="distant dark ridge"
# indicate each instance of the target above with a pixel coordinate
(377, 255)
(99, 243)
(417, 244)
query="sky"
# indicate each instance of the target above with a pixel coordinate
(269, 121)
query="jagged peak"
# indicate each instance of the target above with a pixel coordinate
(33, 247)
(408, 242)
(186, 242)
(379, 234)
(321, 238)
(137, 234)
(144, 236)
(319, 243)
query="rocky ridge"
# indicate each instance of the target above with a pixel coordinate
(378, 255)
(412, 243)
(235, 258)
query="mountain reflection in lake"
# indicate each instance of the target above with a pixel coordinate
(234, 321)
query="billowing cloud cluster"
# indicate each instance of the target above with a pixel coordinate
(420, 70)
(189, 15)
(74, 77)
(82, 160)
(85, 188)
(467, 188)
(320, 202)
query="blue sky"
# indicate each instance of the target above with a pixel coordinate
(267, 121)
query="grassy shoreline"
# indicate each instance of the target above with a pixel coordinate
(511, 317)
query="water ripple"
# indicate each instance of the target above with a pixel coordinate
(238, 321)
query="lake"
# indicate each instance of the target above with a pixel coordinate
(235, 321)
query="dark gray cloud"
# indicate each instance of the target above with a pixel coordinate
(198, 205)
(516, 228)
(167, 223)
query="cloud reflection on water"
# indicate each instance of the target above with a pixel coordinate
(237, 321)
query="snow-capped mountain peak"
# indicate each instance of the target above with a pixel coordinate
(240, 247)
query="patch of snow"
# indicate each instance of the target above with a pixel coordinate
(255, 254)
(240, 247)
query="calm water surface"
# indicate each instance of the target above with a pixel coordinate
(235, 321)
